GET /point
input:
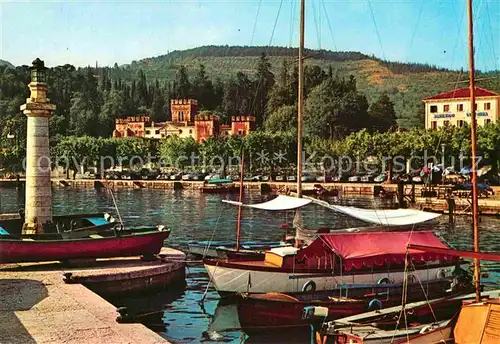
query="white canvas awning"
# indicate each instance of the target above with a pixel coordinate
(279, 203)
(384, 217)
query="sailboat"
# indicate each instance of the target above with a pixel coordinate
(327, 261)
(474, 322)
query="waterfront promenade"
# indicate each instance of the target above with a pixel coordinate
(37, 306)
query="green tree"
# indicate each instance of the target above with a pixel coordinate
(282, 119)
(112, 109)
(182, 85)
(382, 114)
(177, 152)
(263, 85)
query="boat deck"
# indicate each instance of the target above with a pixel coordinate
(37, 306)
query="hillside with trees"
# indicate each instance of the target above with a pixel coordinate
(345, 92)
(6, 63)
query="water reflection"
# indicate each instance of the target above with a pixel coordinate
(191, 215)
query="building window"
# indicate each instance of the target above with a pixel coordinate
(240, 132)
(434, 125)
(460, 123)
(434, 108)
(446, 123)
(460, 107)
(162, 136)
(446, 108)
(157, 132)
(475, 107)
(190, 131)
(180, 131)
(487, 106)
(148, 132)
(487, 121)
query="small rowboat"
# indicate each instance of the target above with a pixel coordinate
(104, 244)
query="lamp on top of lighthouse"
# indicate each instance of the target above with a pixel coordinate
(38, 71)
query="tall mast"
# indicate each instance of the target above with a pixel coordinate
(300, 105)
(477, 274)
(238, 228)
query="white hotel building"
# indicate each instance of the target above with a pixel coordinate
(453, 108)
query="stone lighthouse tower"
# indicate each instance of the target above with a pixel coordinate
(38, 211)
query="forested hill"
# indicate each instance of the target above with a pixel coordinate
(6, 63)
(405, 83)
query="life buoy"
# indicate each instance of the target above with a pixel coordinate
(411, 278)
(375, 304)
(441, 273)
(384, 280)
(309, 286)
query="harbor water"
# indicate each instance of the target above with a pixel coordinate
(196, 314)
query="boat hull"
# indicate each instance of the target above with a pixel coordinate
(12, 251)
(231, 278)
(277, 311)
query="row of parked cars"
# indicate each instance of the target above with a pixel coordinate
(151, 174)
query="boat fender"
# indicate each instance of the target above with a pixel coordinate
(375, 304)
(441, 273)
(384, 280)
(309, 286)
(426, 329)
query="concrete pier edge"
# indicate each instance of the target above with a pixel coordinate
(37, 306)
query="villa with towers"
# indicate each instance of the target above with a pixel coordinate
(186, 122)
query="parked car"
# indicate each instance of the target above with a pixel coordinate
(198, 176)
(291, 178)
(279, 178)
(188, 176)
(324, 178)
(355, 179)
(367, 178)
(88, 175)
(341, 177)
(380, 178)
(308, 178)
(176, 176)
(163, 176)
(265, 178)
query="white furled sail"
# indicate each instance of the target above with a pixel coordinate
(279, 203)
(385, 217)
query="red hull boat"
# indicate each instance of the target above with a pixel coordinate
(257, 312)
(103, 245)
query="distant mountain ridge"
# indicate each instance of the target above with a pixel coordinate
(405, 83)
(276, 51)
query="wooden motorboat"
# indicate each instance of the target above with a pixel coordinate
(105, 244)
(424, 322)
(320, 191)
(209, 249)
(220, 186)
(275, 311)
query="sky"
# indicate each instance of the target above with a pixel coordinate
(83, 32)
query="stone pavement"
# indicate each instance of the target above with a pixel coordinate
(36, 306)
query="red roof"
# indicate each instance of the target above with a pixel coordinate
(358, 250)
(463, 93)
